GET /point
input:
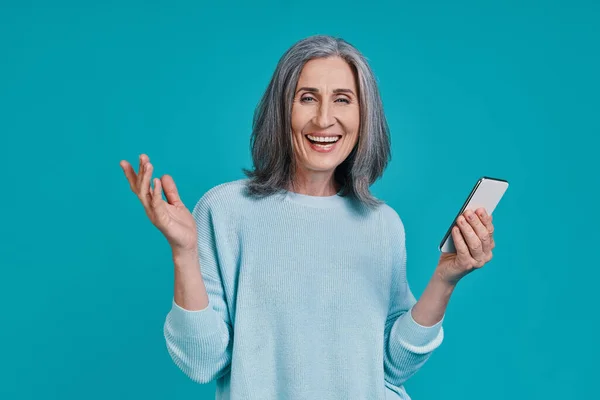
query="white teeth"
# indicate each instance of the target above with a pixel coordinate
(331, 139)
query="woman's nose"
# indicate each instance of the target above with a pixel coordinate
(324, 117)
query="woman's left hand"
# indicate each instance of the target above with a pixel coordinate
(474, 242)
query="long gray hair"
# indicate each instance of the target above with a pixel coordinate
(271, 142)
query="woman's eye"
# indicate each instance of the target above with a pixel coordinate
(310, 99)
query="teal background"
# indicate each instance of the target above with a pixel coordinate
(470, 88)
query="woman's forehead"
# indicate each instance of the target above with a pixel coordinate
(327, 74)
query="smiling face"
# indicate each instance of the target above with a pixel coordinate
(325, 116)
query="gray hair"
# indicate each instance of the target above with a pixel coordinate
(271, 142)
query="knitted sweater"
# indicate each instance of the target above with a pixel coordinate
(308, 299)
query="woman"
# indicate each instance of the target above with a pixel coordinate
(291, 284)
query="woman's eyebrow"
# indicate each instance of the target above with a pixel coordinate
(315, 90)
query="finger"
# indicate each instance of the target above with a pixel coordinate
(480, 229)
(141, 169)
(156, 195)
(170, 189)
(486, 219)
(471, 238)
(129, 174)
(462, 250)
(145, 194)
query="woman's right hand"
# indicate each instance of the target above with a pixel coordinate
(171, 217)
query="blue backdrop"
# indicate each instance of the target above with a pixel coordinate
(470, 88)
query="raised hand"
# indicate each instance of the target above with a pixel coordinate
(171, 217)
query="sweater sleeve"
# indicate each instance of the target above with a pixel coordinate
(200, 341)
(408, 345)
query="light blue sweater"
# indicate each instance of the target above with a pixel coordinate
(308, 299)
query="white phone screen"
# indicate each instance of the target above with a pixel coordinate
(486, 193)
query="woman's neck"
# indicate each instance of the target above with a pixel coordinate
(314, 183)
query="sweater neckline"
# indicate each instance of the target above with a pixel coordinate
(315, 201)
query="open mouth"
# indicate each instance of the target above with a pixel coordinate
(324, 143)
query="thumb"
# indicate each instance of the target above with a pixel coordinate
(170, 190)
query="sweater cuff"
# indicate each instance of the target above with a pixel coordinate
(193, 322)
(416, 336)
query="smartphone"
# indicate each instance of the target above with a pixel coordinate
(486, 193)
